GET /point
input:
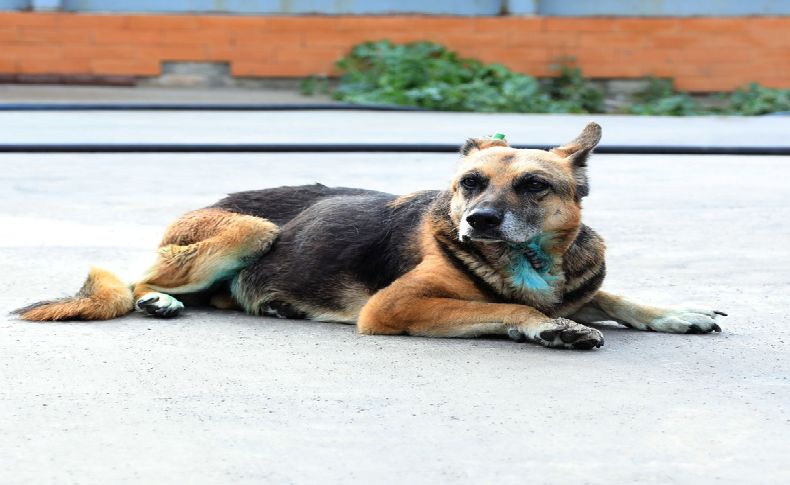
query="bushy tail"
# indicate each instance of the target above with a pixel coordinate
(103, 296)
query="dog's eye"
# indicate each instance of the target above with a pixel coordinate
(471, 182)
(535, 185)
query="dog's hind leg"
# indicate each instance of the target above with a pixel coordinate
(198, 250)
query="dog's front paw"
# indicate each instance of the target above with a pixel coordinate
(160, 305)
(686, 319)
(560, 333)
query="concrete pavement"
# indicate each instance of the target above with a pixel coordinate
(218, 397)
(380, 127)
(285, 93)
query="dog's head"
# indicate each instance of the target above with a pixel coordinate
(502, 194)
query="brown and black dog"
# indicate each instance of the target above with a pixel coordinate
(502, 251)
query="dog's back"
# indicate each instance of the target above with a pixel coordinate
(281, 204)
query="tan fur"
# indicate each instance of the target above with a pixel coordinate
(624, 310)
(196, 249)
(435, 299)
(102, 297)
(202, 244)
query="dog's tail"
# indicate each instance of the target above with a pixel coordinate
(103, 296)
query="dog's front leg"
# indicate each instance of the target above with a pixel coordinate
(430, 312)
(680, 319)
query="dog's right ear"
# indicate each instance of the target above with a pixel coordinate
(473, 145)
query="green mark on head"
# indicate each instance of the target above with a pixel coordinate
(498, 136)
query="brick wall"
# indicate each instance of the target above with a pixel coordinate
(702, 54)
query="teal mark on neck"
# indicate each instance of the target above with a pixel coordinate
(524, 275)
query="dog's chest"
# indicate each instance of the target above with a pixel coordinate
(541, 288)
(532, 279)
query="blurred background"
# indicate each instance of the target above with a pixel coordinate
(640, 57)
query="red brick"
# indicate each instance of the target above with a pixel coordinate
(47, 35)
(92, 21)
(98, 51)
(322, 39)
(706, 24)
(507, 24)
(29, 51)
(196, 37)
(673, 40)
(8, 35)
(268, 69)
(231, 22)
(253, 38)
(60, 66)
(176, 53)
(519, 38)
(303, 55)
(459, 41)
(647, 24)
(125, 67)
(7, 65)
(586, 24)
(127, 37)
(27, 19)
(162, 22)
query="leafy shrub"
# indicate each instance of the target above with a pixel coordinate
(660, 98)
(428, 75)
(757, 100)
(571, 92)
(314, 85)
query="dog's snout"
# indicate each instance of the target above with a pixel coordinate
(484, 219)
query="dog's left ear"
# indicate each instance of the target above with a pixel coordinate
(476, 144)
(578, 150)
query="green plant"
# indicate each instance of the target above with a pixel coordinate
(757, 100)
(571, 92)
(660, 98)
(314, 85)
(427, 75)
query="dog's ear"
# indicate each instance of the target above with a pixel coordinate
(473, 145)
(578, 150)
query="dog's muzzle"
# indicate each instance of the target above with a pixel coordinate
(482, 224)
(484, 220)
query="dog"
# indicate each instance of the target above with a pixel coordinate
(503, 251)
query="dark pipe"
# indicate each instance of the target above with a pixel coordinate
(365, 147)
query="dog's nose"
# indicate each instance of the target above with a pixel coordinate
(483, 219)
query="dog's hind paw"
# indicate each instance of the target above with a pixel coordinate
(686, 319)
(560, 333)
(160, 305)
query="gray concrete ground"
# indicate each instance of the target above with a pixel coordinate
(22, 93)
(220, 397)
(385, 127)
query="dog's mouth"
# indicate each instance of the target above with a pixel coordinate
(481, 239)
(491, 237)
